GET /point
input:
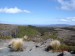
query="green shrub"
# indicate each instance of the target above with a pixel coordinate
(6, 37)
(66, 47)
(25, 30)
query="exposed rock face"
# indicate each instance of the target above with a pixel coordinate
(8, 30)
(67, 35)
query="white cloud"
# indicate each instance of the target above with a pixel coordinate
(63, 20)
(13, 10)
(67, 4)
(68, 19)
(27, 11)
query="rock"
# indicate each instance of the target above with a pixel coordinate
(30, 50)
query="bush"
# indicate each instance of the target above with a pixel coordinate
(25, 30)
(67, 48)
(6, 37)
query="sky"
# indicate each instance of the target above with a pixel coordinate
(37, 12)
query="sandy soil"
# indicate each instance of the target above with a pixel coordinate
(29, 50)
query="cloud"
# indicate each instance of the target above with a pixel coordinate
(66, 4)
(68, 19)
(63, 20)
(13, 10)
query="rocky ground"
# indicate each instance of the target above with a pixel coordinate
(29, 50)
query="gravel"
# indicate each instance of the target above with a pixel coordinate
(29, 50)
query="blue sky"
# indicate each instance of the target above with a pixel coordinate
(38, 12)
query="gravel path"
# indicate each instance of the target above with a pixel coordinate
(30, 50)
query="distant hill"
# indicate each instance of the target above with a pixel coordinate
(60, 25)
(54, 25)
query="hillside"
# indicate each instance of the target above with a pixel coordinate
(65, 34)
(8, 30)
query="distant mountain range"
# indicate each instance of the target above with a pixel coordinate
(51, 25)
(55, 25)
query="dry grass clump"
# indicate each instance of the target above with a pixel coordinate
(16, 44)
(55, 44)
